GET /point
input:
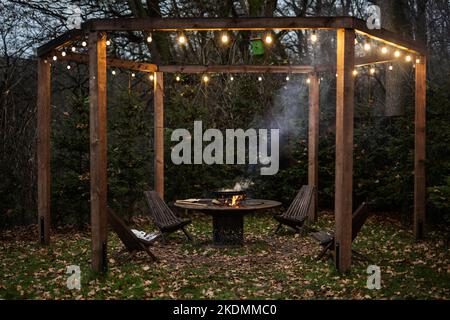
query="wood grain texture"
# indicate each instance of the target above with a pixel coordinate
(98, 144)
(159, 132)
(44, 149)
(313, 143)
(419, 152)
(344, 147)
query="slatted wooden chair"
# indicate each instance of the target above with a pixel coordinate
(132, 243)
(297, 213)
(163, 216)
(326, 239)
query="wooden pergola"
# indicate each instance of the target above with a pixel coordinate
(346, 28)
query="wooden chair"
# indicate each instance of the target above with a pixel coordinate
(297, 213)
(163, 216)
(132, 243)
(326, 239)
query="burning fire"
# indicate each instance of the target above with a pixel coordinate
(235, 200)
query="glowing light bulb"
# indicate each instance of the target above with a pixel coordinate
(268, 38)
(231, 78)
(355, 72)
(149, 38)
(177, 78)
(63, 53)
(182, 39)
(287, 78)
(205, 78)
(408, 58)
(225, 38)
(308, 81)
(133, 75)
(384, 50)
(74, 49)
(367, 47)
(391, 68)
(314, 37)
(84, 43)
(260, 78)
(108, 42)
(372, 70)
(55, 58)
(68, 67)
(397, 54)
(113, 72)
(151, 77)
(417, 60)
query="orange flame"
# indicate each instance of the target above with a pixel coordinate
(236, 199)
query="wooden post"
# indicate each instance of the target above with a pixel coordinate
(44, 149)
(419, 155)
(313, 142)
(158, 100)
(98, 162)
(344, 147)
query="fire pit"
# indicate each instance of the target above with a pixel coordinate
(230, 197)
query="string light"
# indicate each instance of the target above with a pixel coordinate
(308, 81)
(108, 42)
(372, 70)
(314, 37)
(231, 78)
(133, 75)
(63, 53)
(149, 38)
(367, 46)
(268, 39)
(55, 58)
(397, 54)
(205, 78)
(355, 72)
(151, 77)
(287, 78)
(225, 38)
(84, 43)
(181, 38)
(177, 78)
(68, 67)
(417, 60)
(384, 50)
(260, 78)
(74, 49)
(113, 72)
(391, 67)
(408, 58)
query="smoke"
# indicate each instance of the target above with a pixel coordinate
(290, 107)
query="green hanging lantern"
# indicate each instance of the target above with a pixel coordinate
(256, 47)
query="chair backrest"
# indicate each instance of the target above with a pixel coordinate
(160, 211)
(359, 217)
(299, 207)
(125, 234)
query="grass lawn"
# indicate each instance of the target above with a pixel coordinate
(267, 267)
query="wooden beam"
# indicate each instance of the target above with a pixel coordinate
(158, 100)
(98, 161)
(390, 38)
(44, 149)
(111, 62)
(211, 24)
(59, 42)
(420, 147)
(359, 62)
(344, 147)
(235, 69)
(313, 143)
